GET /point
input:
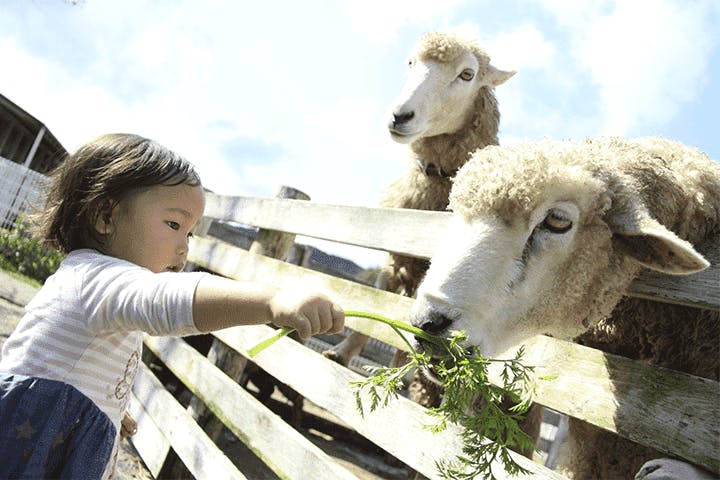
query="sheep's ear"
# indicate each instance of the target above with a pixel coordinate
(654, 246)
(495, 77)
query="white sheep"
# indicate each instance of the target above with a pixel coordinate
(446, 110)
(545, 238)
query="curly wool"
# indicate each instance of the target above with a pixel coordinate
(679, 187)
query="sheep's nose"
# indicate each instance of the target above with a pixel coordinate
(433, 323)
(403, 117)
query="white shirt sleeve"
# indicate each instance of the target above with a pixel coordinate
(121, 296)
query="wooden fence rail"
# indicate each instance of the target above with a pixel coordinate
(416, 233)
(673, 412)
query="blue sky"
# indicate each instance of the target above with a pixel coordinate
(263, 93)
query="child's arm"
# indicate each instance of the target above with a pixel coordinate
(220, 303)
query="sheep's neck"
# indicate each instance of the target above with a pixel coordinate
(449, 152)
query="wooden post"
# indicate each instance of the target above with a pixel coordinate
(273, 243)
(35, 145)
(270, 243)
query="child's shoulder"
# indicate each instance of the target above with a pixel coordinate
(85, 255)
(87, 265)
(93, 270)
(87, 258)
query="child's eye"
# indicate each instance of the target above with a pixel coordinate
(173, 225)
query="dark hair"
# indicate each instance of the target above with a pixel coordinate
(101, 173)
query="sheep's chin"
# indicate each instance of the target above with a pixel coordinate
(403, 138)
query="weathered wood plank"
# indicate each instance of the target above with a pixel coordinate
(562, 358)
(199, 454)
(283, 449)
(149, 441)
(701, 289)
(410, 232)
(398, 428)
(271, 243)
(416, 233)
(671, 411)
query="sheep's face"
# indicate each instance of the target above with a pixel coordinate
(491, 276)
(441, 89)
(544, 239)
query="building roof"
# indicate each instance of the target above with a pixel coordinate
(32, 126)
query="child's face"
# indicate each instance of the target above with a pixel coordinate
(151, 228)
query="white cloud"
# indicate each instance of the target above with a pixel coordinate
(522, 48)
(380, 20)
(646, 57)
(349, 158)
(534, 102)
(73, 109)
(33, 78)
(576, 14)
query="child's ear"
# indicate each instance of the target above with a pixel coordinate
(103, 220)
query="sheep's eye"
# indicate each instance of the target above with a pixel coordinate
(467, 74)
(556, 222)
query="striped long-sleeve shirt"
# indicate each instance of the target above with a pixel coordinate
(84, 326)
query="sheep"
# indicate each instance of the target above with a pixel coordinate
(446, 110)
(670, 469)
(545, 238)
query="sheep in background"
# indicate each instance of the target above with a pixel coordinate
(446, 111)
(545, 239)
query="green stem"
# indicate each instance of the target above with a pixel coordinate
(439, 341)
(269, 341)
(371, 316)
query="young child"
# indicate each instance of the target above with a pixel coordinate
(122, 208)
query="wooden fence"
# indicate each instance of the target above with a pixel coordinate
(683, 419)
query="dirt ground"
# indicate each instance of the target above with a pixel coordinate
(365, 460)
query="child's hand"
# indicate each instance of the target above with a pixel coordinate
(308, 313)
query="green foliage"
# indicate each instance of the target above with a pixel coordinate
(21, 253)
(470, 400)
(489, 429)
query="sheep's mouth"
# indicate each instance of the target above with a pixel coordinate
(402, 137)
(399, 133)
(174, 268)
(431, 373)
(436, 357)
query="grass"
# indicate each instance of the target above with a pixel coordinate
(22, 278)
(20, 252)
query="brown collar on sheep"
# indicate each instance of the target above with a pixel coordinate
(432, 170)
